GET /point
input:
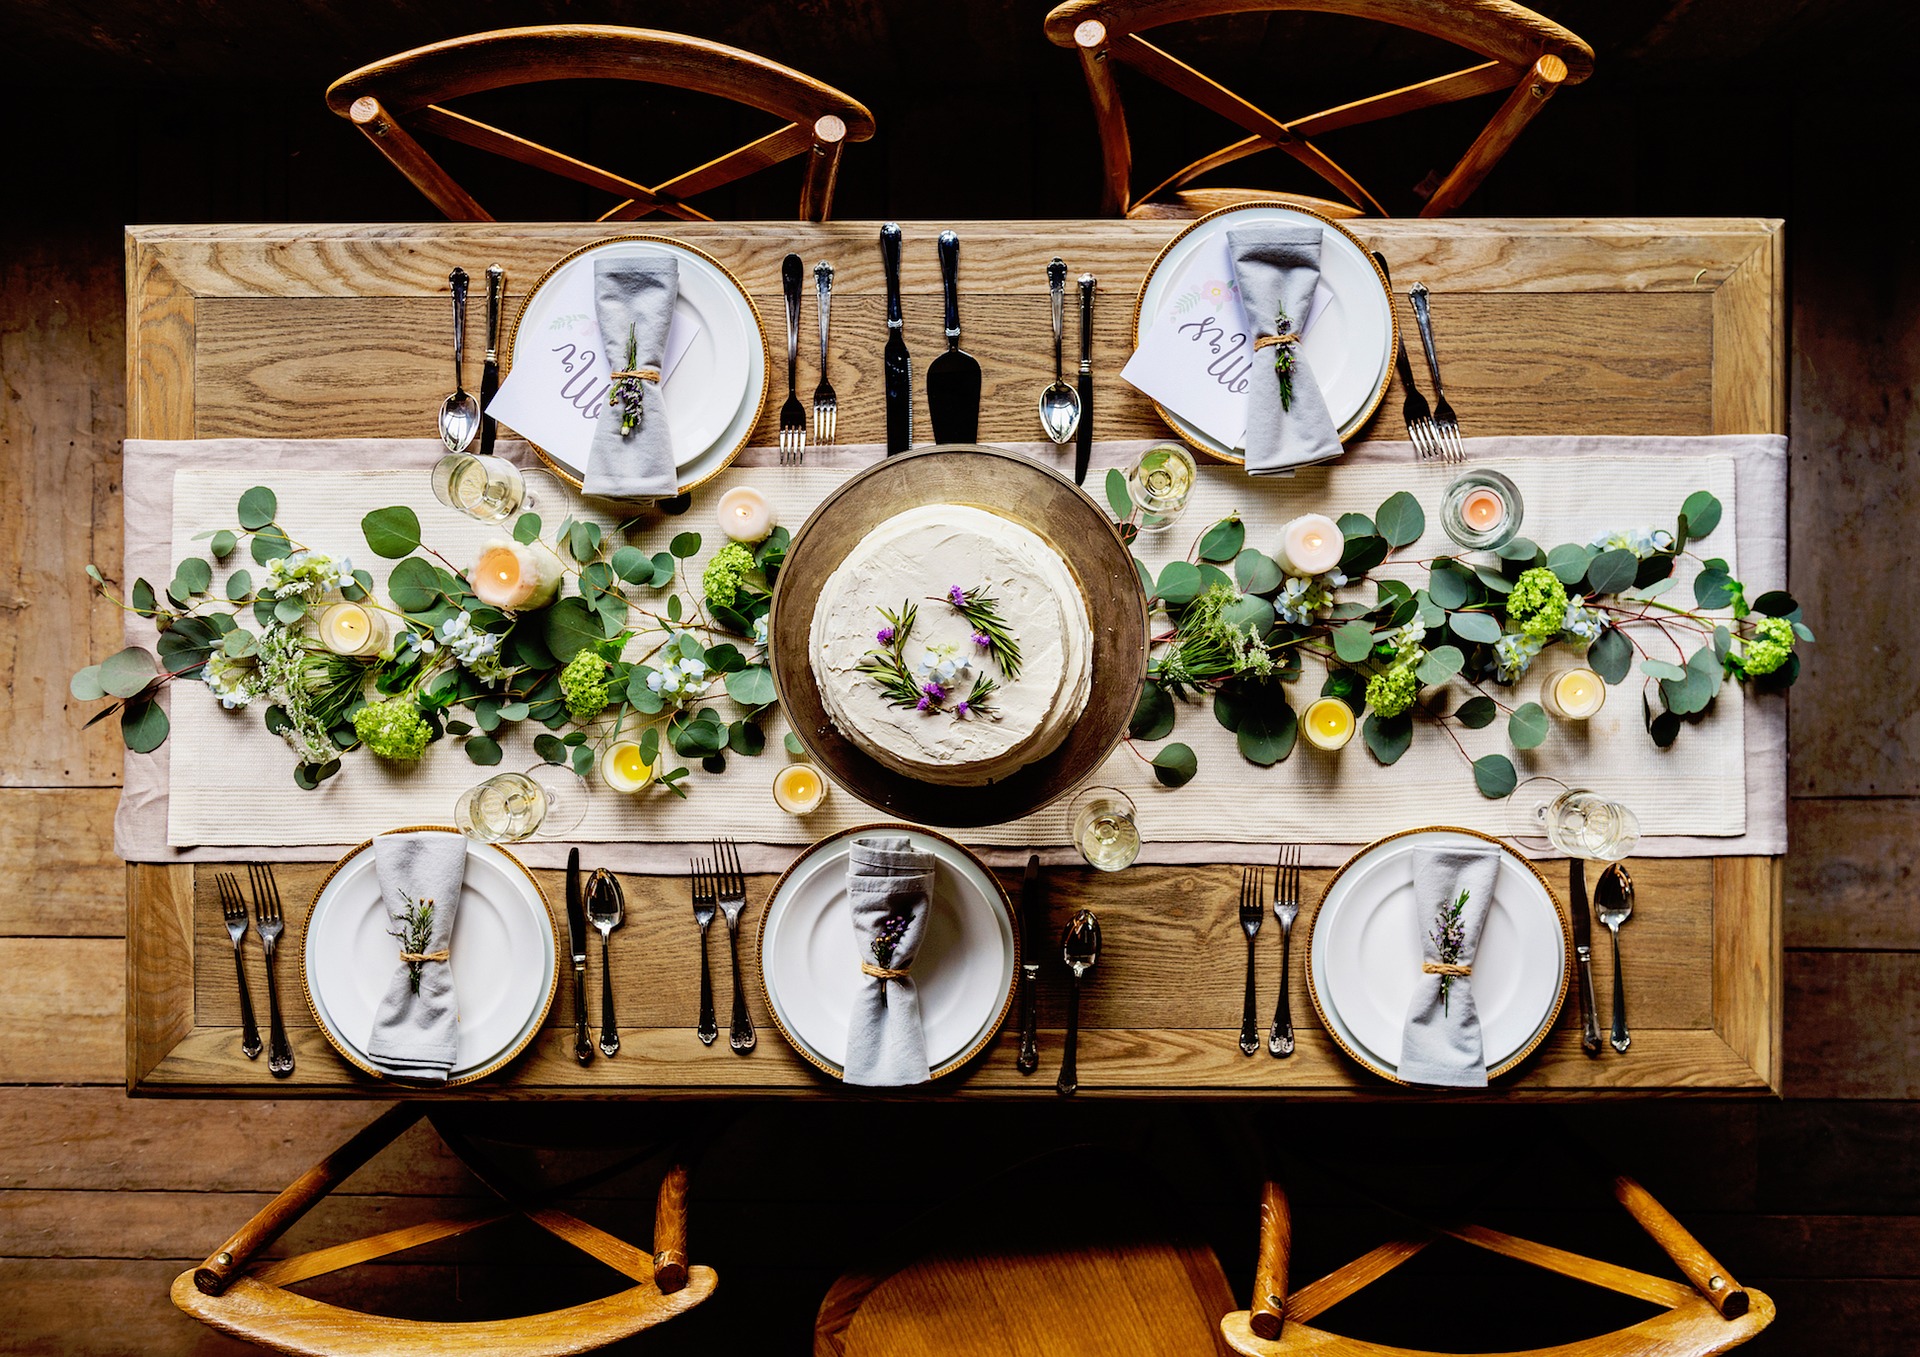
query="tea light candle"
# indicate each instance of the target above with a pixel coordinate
(1311, 545)
(510, 574)
(1483, 510)
(745, 515)
(1328, 724)
(624, 768)
(1576, 693)
(349, 629)
(799, 789)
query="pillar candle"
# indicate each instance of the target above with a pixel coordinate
(745, 515)
(510, 574)
(1311, 545)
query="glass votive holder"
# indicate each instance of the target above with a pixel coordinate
(1160, 483)
(1482, 510)
(1328, 724)
(1573, 692)
(798, 789)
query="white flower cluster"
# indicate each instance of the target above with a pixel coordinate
(1642, 542)
(1407, 642)
(234, 682)
(945, 665)
(478, 651)
(1513, 654)
(306, 574)
(760, 630)
(1303, 601)
(679, 681)
(1583, 622)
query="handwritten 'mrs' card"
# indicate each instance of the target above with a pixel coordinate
(1196, 356)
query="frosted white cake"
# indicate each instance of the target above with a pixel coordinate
(916, 558)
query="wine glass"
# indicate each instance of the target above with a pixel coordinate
(1103, 828)
(1577, 822)
(546, 800)
(488, 488)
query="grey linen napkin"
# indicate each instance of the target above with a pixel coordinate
(636, 295)
(1442, 1042)
(417, 1036)
(1276, 267)
(887, 877)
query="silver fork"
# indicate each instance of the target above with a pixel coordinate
(1419, 418)
(700, 878)
(1444, 423)
(1252, 883)
(732, 894)
(1286, 908)
(826, 406)
(793, 416)
(234, 910)
(266, 916)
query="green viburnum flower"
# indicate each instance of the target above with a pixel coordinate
(1392, 691)
(393, 729)
(1538, 604)
(583, 683)
(1767, 649)
(720, 582)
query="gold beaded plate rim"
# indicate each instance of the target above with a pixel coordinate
(1560, 917)
(759, 329)
(491, 1067)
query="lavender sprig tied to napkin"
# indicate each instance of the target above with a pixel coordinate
(632, 452)
(416, 1032)
(889, 890)
(1288, 424)
(1452, 895)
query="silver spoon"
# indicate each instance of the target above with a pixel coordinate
(606, 904)
(460, 412)
(1080, 947)
(1613, 903)
(1059, 403)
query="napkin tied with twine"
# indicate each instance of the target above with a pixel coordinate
(633, 299)
(416, 1029)
(1442, 1043)
(890, 892)
(1278, 268)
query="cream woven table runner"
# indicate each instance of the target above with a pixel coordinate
(222, 782)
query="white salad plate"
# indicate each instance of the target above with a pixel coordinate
(1364, 954)
(1348, 344)
(964, 971)
(503, 958)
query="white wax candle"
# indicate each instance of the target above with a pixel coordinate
(798, 788)
(745, 515)
(349, 629)
(1311, 545)
(510, 574)
(1328, 724)
(1576, 693)
(1483, 510)
(624, 768)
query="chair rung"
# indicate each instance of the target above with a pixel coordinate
(303, 1266)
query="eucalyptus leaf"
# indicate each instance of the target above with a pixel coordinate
(270, 544)
(1361, 555)
(583, 540)
(1388, 736)
(1175, 765)
(126, 673)
(549, 748)
(85, 684)
(1494, 776)
(684, 545)
(746, 737)
(483, 750)
(1712, 588)
(1657, 588)
(239, 585)
(239, 644)
(1211, 575)
(571, 627)
(1118, 497)
(632, 565)
(1400, 520)
(1663, 669)
(1356, 525)
(1777, 603)
(223, 544)
(1257, 572)
(1569, 563)
(143, 726)
(1702, 510)
(194, 576)
(1481, 627)
(1527, 727)
(1477, 712)
(1438, 665)
(142, 597)
(1495, 582)
(1249, 613)
(1612, 571)
(752, 687)
(1222, 542)
(392, 532)
(1517, 549)
(1611, 655)
(257, 508)
(1153, 714)
(794, 747)
(1267, 732)
(287, 611)
(1448, 586)
(1179, 584)
(526, 529)
(1353, 642)
(725, 658)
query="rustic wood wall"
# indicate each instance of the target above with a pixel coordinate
(147, 111)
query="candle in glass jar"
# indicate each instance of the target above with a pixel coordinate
(1328, 724)
(1576, 693)
(624, 768)
(510, 574)
(1483, 510)
(745, 515)
(1311, 545)
(798, 788)
(349, 629)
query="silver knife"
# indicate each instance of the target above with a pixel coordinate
(577, 942)
(1033, 922)
(1583, 956)
(1083, 450)
(895, 365)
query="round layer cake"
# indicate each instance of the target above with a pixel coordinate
(916, 559)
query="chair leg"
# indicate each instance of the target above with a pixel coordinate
(823, 168)
(408, 156)
(1700, 1267)
(1270, 1267)
(670, 1231)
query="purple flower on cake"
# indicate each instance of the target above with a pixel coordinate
(884, 636)
(962, 707)
(981, 639)
(957, 596)
(923, 704)
(934, 691)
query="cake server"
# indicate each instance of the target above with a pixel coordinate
(896, 365)
(953, 379)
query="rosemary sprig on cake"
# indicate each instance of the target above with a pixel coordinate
(887, 665)
(990, 630)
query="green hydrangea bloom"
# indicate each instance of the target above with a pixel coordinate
(583, 683)
(1767, 649)
(1392, 691)
(393, 729)
(1538, 604)
(721, 580)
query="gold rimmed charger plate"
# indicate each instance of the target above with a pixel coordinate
(1021, 490)
(492, 1066)
(1353, 425)
(1553, 1011)
(753, 311)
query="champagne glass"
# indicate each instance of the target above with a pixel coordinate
(488, 488)
(547, 800)
(1160, 483)
(1577, 822)
(1103, 828)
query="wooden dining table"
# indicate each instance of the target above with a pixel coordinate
(1617, 326)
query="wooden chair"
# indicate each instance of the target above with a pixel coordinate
(1709, 1314)
(392, 99)
(233, 1293)
(1530, 55)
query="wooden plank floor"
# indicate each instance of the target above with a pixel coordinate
(103, 1200)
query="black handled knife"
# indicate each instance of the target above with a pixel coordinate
(1083, 450)
(953, 378)
(490, 373)
(1033, 923)
(577, 942)
(896, 366)
(1583, 955)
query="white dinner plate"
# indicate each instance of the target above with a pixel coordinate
(503, 958)
(810, 960)
(1350, 341)
(715, 393)
(1364, 954)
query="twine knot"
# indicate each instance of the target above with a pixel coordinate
(881, 972)
(642, 374)
(1445, 968)
(1268, 341)
(440, 955)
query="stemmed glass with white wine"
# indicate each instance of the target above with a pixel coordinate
(547, 800)
(1577, 822)
(488, 488)
(1103, 828)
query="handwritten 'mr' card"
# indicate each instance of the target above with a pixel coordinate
(1196, 355)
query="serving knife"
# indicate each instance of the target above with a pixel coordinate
(1033, 922)
(490, 372)
(577, 942)
(1083, 449)
(1583, 955)
(896, 365)
(953, 378)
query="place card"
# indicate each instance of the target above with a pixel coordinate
(1196, 357)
